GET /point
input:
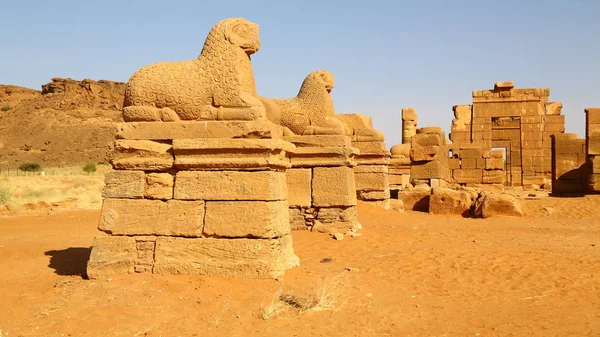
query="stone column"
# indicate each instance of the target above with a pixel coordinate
(592, 141)
(409, 124)
(321, 184)
(195, 197)
(399, 167)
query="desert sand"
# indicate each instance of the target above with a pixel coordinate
(410, 274)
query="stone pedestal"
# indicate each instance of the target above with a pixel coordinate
(188, 198)
(399, 167)
(371, 172)
(321, 184)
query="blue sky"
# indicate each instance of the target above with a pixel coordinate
(385, 55)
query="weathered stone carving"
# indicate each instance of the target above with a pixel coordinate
(207, 193)
(311, 112)
(218, 85)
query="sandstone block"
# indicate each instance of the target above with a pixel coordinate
(462, 112)
(494, 163)
(230, 185)
(299, 186)
(111, 255)
(239, 219)
(471, 153)
(593, 145)
(373, 195)
(416, 199)
(554, 128)
(199, 129)
(593, 183)
(429, 170)
(152, 217)
(324, 156)
(498, 204)
(159, 186)
(231, 153)
(472, 176)
(430, 130)
(553, 108)
(399, 180)
(460, 136)
(408, 114)
(319, 140)
(555, 119)
(141, 155)
(239, 258)
(124, 184)
(493, 177)
(453, 163)
(424, 153)
(468, 163)
(370, 147)
(592, 116)
(333, 186)
(400, 150)
(426, 140)
(448, 201)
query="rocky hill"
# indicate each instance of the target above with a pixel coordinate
(68, 122)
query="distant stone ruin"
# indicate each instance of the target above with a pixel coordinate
(199, 185)
(520, 122)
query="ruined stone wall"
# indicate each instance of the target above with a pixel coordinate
(592, 136)
(429, 157)
(569, 168)
(472, 165)
(399, 167)
(409, 124)
(521, 121)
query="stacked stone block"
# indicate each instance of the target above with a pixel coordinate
(429, 157)
(460, 132)
(371, 171)
(592, 136)
(399, 167)
(199, 184)
(569, 169)
(321, 183)
(409, 124)
(209, 206)
(472, 165)
(520, 120)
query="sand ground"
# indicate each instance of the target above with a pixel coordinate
(410, 274)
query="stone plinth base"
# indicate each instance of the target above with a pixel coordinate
(371, 171)
(205, 206)
(321, 184)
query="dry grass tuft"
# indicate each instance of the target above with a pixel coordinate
(329, 295)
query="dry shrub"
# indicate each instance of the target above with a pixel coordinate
(328, 295)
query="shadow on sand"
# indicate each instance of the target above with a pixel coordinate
(69, 262)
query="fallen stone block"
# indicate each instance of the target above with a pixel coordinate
(448, 201)
(416, 199)
(492, 204)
